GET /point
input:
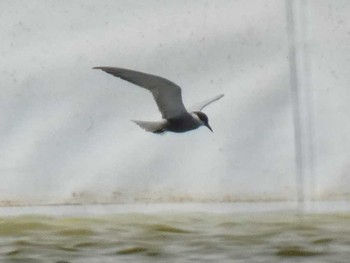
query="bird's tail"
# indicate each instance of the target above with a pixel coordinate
(151, 126)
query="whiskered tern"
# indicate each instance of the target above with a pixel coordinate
(167, 94)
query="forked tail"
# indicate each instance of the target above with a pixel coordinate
(151, 126)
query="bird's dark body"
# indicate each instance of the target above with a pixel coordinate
(181, 124)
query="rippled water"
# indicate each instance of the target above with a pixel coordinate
(176, 237)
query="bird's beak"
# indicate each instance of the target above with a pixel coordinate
(209, 127)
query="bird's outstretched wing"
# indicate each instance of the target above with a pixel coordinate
(200, 106)
(166, 93)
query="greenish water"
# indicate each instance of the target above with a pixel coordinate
(177, 237)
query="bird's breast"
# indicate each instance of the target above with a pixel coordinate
(183, 123)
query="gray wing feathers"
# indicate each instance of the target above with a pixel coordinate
(166, 93)
(200, 106)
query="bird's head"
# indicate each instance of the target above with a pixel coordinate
(203, 119)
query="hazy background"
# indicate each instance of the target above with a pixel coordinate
(65, 130)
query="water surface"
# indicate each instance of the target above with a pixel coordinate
(176, 237)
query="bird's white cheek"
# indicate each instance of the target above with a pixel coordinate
(195, 116)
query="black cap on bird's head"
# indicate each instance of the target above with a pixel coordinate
(204, 119)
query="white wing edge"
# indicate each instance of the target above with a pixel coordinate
(151, 126)
(200, 106)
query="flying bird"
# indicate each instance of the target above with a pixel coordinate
(175, 117)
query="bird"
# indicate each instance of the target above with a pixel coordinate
(167, 95)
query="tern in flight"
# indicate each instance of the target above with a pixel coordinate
(175, 117)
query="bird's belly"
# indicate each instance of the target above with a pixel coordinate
(182, 124)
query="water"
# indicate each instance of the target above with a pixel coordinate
(176, 237)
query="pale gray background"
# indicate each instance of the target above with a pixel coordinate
(65, 134)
